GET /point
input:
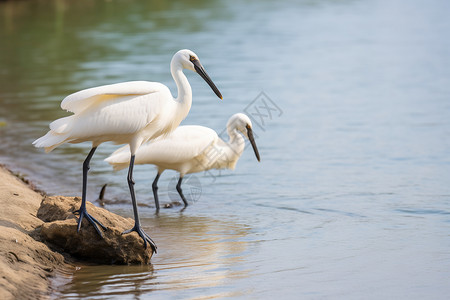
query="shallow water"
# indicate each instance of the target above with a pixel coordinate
(351, 197)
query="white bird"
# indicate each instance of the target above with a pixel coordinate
(190, 149)
(129, 112)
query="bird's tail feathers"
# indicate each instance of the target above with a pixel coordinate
(58, 134)
(50, 141)
(61, 125)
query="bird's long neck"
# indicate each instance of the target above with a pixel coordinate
(235, 148)
(236, 141)
(184, 97)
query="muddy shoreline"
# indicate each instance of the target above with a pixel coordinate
(29, 260)
(26, 263)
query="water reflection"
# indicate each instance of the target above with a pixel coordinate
(199, 254)
(92, 281)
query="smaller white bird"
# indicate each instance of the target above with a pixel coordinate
(190, 149)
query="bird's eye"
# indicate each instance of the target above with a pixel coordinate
(192, 58)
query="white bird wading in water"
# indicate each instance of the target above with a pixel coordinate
(125, 113)
(188, 150)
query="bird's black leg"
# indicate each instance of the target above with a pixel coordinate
(155, 190)
(82, 211)
(180, 191)
(137, 224)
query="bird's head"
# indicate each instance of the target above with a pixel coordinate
(189, 60)
(242, 123)
(183, 57)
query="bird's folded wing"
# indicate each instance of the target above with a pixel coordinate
(184, 143)
(79, 101)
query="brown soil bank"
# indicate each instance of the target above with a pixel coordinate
(35, 230)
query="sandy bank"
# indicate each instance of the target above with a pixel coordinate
(27, 261)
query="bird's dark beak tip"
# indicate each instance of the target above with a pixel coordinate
(252, 142)
(201, 71)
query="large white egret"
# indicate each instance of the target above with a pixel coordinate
(190, 149)
(129, 112)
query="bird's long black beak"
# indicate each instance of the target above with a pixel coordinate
(201, 71)
(252, 141)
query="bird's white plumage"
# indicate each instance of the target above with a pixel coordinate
(113, 113)
(173, 151)
(128, 112)
(189, 149)
(81, 100)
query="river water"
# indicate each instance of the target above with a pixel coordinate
(350, 102)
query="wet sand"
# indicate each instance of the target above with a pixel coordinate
(25, 262)
(38, 237)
